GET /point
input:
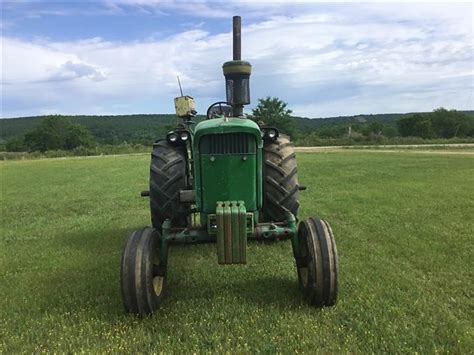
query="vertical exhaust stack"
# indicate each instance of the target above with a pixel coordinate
(237, 73)
(236, 38)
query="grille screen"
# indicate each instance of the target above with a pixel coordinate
(228, 143)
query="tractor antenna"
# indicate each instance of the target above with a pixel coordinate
(179, 83)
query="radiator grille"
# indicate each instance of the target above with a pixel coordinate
(228, 143)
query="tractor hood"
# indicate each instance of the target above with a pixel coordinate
(228, 163)
(227, 125)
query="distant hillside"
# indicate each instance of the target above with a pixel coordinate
(309, 124)
(105, 129)
(146, 128)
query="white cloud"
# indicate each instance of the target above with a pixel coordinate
(71, 70)
(329, 60)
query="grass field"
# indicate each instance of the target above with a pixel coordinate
(403, 223)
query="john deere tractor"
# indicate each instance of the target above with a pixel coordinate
(226, 180)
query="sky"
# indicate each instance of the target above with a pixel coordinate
(323, 59)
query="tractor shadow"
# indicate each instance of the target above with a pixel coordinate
(85, 277)
(277, 291)
(261, 281)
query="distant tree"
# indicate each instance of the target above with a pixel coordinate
(274, 112)
(334, 131)
(16, 144)
(416, 125)
(389, 131)
(440, 123)
(452, 123)
(373, 128)
(57, 132)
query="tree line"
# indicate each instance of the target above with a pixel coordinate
(440, 123)
(57, 132)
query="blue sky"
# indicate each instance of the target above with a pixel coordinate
(121, 57)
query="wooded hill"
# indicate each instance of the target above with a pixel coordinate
(144, 129)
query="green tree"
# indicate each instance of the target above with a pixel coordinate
(416, 125)
(440, 123)
(57, 132)
(16, 144)
(374, 127)
(333, 131)
(452, 123)
(274, 112)
(389, 131)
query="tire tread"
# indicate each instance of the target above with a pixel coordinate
(167, 178)
(280, 177)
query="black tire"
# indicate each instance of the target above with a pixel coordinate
(317, 262)
(142, 278)
(167, 178)
(280, 180)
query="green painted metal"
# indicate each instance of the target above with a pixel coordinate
(220, 237)
(227, 125)
(245, 225)
(284, 230)
(225, 230)
(249, 222)
(227, 176)
(185, 236)
(231, 232)
(236, 229)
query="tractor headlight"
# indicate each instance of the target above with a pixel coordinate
(172, 137)
(184, 136)
(271, 133)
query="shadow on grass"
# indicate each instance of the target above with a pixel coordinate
(84, 278)
(264, 290)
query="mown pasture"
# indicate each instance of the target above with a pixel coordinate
(404, 228)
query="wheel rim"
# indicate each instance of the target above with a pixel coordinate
(303, 251)
(158, 284)
(157, 279)
(304, 276)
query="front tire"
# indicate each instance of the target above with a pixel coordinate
(317, 262)
(142, 277)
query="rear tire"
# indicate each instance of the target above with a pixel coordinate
(280, 180)
(167, 178)
(142, 278)
(317, 262)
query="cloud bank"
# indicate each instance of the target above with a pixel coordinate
(324, 60)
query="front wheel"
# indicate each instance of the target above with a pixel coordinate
(142, 277)
(317, 262)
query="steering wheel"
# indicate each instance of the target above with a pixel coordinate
(218, 108)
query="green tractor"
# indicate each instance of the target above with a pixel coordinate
(225, 180)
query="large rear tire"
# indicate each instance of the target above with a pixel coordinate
(317, 262)
(142, 277)
(280, 180)
(167, 178)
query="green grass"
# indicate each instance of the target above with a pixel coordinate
(403, 223)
